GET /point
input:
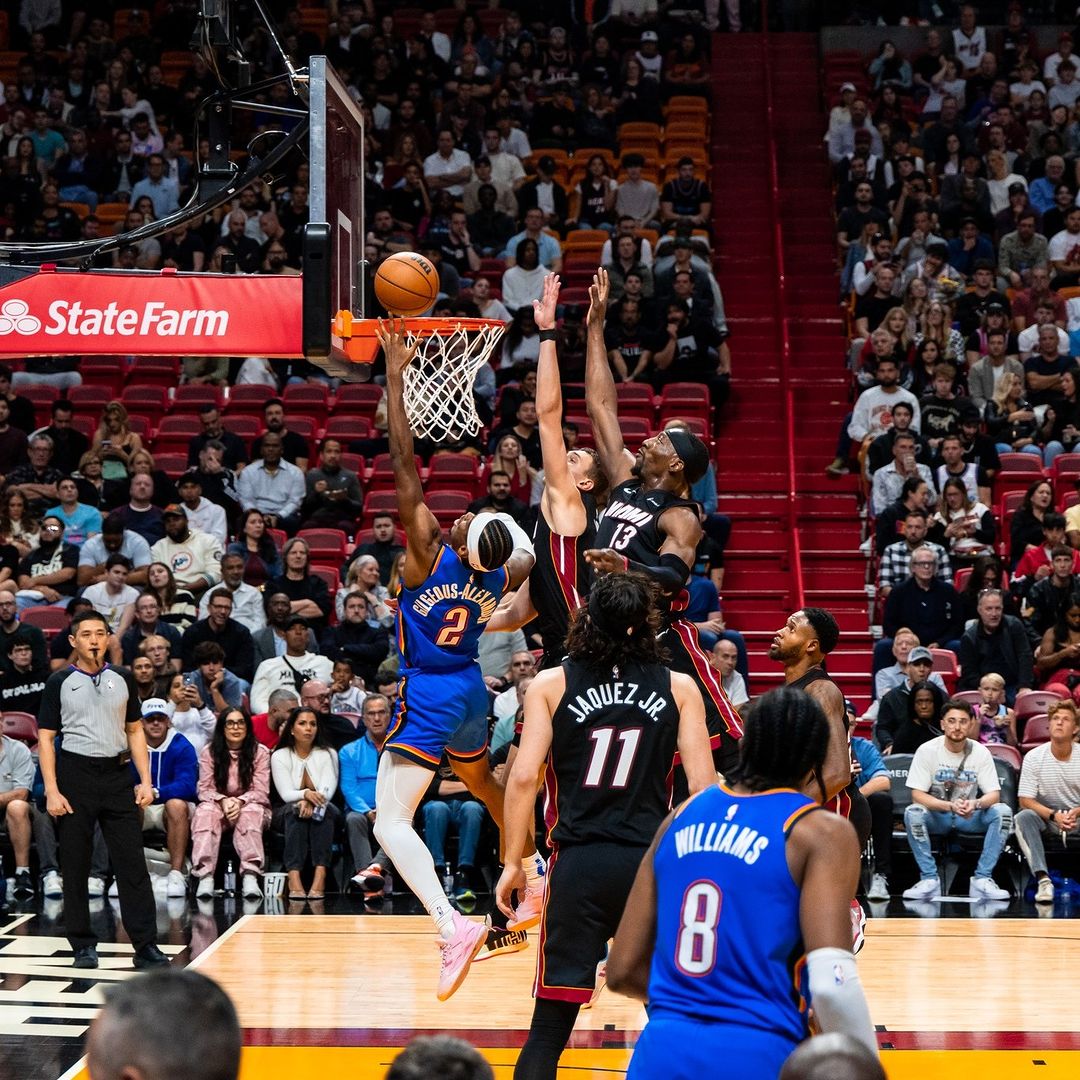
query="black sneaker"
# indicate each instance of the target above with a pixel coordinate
(150, 956)
(500, 941)
(463, 889)
(24, 883)
(86, 957)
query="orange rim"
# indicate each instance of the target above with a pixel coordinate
(360, 345)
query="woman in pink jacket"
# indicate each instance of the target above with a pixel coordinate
(234, 793)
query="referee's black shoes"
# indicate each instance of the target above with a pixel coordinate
(86, 957)
(150, 956)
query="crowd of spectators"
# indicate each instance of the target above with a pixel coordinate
(248, 578)
(956, 176)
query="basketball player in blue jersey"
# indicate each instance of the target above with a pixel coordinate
(565, 528)
(738, 919)
(606, 723)
(449, 592)
(651, 524)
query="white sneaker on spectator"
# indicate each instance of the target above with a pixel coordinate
(95, 886)
(114, 890)
(205, 891)
(176, 884)
(1044, 894)
(53, 886)
(879, 888)
(249, 887)
(927, 889)
(984, 888)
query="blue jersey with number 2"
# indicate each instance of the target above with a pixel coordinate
(440, 622)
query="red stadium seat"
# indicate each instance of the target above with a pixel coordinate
(1006, 753)
(329, 574)
(149, 402)
(21, 726)
(90, 399)
(380, 502)
(367, 536)
(175, 433)
(249, 399)
(1024, 463)
(1036, 732)
(310, 399)
(945, 665)
(171, 464)
(447, 506)
(49, 620)
(245, 426)
(346, 428)
(1030, 702)
(357, 398)
(326, 545)
(190, 399)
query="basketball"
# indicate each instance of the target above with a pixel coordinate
(406, 284)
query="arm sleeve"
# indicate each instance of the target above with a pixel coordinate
(24, 768)
(1028, 787)
(133, 712)
(259, 792)
(184, 782)
(671, 573)
(206, 790)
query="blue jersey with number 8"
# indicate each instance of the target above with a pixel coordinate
(440, 622)
(728, 944)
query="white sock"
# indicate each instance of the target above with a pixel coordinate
(399, 787)
(535, 868)
(22, 869)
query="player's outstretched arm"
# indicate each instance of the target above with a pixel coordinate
(682, 532)
(631, 952)
(695, 752)
(421, 528)
(519, 802)
(514, 611)
(600, 397)
(561, 502)
(823, 855)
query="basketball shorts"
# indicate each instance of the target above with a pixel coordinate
(721, 717)
(440, 712)
(587, 888)
(851, 803)
(690, 1049)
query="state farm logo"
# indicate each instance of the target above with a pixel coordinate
(15, 318)
(153, 319)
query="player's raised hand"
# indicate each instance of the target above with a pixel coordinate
(544, 308)
(598, 298)
(513, 877)
(396, 349)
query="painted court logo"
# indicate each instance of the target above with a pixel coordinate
(76, 320)
(15, 318)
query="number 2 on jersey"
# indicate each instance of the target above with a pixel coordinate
(602, 739)
(695, 950)
(453, 628)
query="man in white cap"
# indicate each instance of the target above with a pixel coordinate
(840, 115)
(648, 54)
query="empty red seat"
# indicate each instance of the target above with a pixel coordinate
(191, 398)
(357, 398)
(325, 544)
(346, 428)
(249, 398)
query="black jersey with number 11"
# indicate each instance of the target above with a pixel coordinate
(614, 735)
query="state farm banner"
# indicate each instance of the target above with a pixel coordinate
(59, 312)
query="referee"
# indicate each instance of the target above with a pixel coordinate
(95, 708)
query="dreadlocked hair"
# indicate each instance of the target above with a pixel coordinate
(598, 629)
(786, 736)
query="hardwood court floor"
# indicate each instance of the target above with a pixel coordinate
(337, 996)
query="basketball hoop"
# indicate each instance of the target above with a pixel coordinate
(439, 382)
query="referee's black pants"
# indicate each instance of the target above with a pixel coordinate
(100, 792)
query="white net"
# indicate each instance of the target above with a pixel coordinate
(438, 386)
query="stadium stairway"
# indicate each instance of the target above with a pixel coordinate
(752, 467)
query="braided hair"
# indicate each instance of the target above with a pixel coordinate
(786, 737)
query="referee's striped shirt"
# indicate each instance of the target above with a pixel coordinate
(91, 712)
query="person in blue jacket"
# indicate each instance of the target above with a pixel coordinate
(174, 775)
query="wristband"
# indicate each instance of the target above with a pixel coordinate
(549, 335)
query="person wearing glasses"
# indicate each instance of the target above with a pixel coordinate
(234, 793)
(931, 609)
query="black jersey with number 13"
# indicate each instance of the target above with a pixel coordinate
(631, 527)
(614, 736)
